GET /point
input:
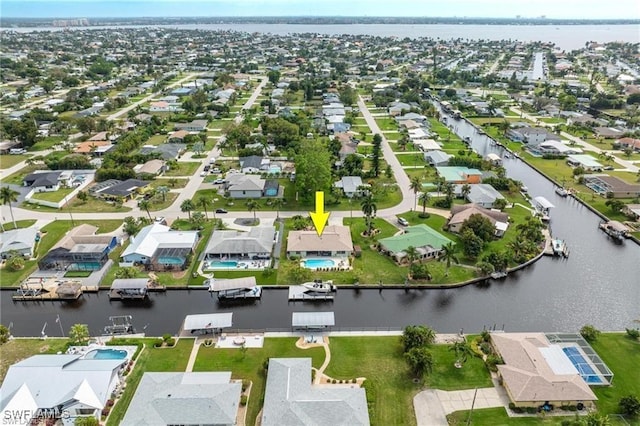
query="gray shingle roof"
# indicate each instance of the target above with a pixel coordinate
(258, 240)
(184, 398)
(290, 399)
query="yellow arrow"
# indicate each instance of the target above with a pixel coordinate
(319, 217)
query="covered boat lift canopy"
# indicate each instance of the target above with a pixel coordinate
(207, 322)
(231, 283)
(312, 320)
(543, 203)
(129, 284)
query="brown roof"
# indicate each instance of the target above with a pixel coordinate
(629, 142)
(82, 234)
(460, 213)
(529, 377)
(102, 136)
(87, 146)
(334, 238)
(180, 134)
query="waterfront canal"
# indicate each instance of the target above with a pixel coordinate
(598, 284)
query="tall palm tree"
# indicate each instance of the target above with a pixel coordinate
(448, 255)
(8, 196)
(465, 190)
(278, 203)
(252, 206)
(424, 200)
(412, 254)
(187, 206)
(144, 205)
(369, 209)
(462, 350)
(163, 190)
(415, 186)
(204, 202)
(504, 126)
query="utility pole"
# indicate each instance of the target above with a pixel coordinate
(473, 403)
(60, 324)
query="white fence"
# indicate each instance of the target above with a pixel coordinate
(57, 205)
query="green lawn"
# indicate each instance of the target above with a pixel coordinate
(151, 359)
(413, 159)
(53, 196)
(622, 356)
(7, 226)
(18, 177)
(498, 417)
(77, 274)
(249, 366)
(261, 278)
(162, 181)
(183, 168)
(156, 140)
(46, 143)
(158, 203)
(90, 206)
(446, 376)
(386, 123)
(18, 349)
(51, 234)
(8, 160)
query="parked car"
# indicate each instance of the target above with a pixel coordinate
(206, 168)
(609, 168)
(402, 221)
(17, 151)
(218, 181)
(221, 211)
(203, 173)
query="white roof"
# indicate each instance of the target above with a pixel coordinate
(558, 360)
(129, 283)
(232, 283)
(312, 319)
(155, 236)
(427, 144)
(207, 321)
(544, 203)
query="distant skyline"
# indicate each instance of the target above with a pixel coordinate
(551, 9)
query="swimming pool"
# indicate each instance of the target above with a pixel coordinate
(274, 169)
(168, 260)
(220, 264)
(318, 263)
(584, 369)
(106, 354)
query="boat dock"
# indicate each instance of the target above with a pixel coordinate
(133, 289)
(37, 289)
(298, 292)
(235, 288)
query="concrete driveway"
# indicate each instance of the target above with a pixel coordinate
(432, 406)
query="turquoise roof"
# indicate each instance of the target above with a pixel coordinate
(416, 236)
(456, 173)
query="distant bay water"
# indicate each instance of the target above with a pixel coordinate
(566, 37)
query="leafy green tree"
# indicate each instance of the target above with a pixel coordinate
(347, 95)
(273, 76)
(420, 361)
(597, 419)
(131, 227)
(15, 261)
(376, 153)
(126, 272)
(198, 148)
(197, 220)
(630, 405)
(352, 165)
(163, 190)
(9, 196)
(417, 336)
(4, 334)
(590, 333)
(86, 421)
(472, 245)
(83, 196)
(79, 334)
(480, 226)
(187, 206)
(313, 170)
(462, 350)
(298, 274)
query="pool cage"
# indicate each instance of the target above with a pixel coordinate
(170, 258)
(602, 375)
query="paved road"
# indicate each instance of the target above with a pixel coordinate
(493, 67)
(17, 167)
(148, 98)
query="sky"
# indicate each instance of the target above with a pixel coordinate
(576, 9)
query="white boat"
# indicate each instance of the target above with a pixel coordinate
(319, 286)
(559, 247)
(561, 191)
(616, 230)
(498, 275)
(235, 288)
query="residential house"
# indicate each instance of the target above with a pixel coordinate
(624, 143)
(21, 240)
(244, 186)
(185, 398)
(605, 184)
(80, 250)
(425, 145)
(633, 211)
(94, 148)
(167, 151)
(183, 91)
(460, 213)
(585, 161)
(536, 372)
(159, 247)
(398, 108)
(194, 126)
(532, 136)
(483, 195)
(437, 158)
(459, 174)
(291, 399)
(556, 148)
(254, 164)
(347, 145)
(43, 181)
(412, 116)
(152, 167)
(418, 134)
(57, 384)
(608, 132)
(352, 186)
(164, 106)
(94, 110)
(118, 190)
(6, 145)
(257, 243)
(334, 242)
(424, 239)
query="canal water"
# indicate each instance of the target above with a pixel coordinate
(598, 284)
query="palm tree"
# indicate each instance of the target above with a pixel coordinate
(462, 350)
(8, 196)
(144, 205)
(187, 206)
(424, 200)
(162, 190)
(448, 255)
(465, 190)
(504, 126)
(278, 203)
(252, 206)
(412, 254)
(369, 209)
(204, 202)
(415, 186)
(172, 182)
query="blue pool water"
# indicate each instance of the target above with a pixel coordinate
(318, 263)
(274, 169)
(166, 260)
(223, 264)
(585, 370)
(106, 354)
